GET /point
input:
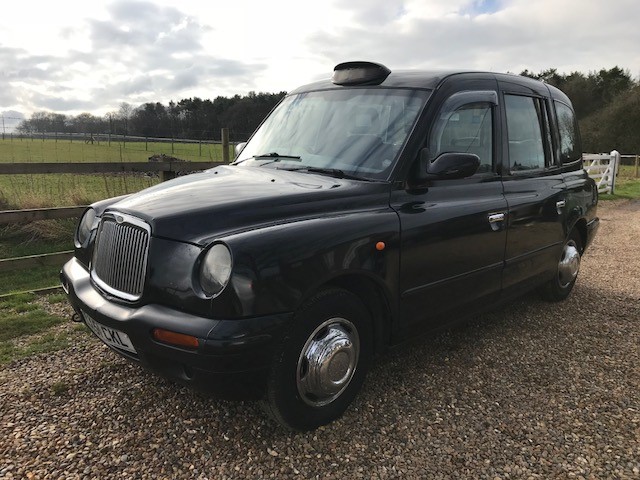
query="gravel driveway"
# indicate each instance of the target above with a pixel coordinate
(533, 390)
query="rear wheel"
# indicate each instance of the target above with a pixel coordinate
(559, 287)
(321, 363)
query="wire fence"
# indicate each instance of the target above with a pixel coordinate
(78, 147)
(8, 125)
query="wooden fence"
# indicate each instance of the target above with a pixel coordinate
(166, 170)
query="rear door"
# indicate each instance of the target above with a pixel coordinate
(534, 187)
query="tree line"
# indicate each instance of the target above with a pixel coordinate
(607, 104)
(190, 118)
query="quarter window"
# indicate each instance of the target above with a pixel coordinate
(524, 129)
(569, 149)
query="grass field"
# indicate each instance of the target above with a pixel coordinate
(32, 239)
(33, 191)
(29, 325)
(58, 190)
(27, 150)
(627, 185)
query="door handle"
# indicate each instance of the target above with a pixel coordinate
(496, 217)
(560, 204)
(495, 220)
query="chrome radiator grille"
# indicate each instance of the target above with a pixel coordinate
(120, 255)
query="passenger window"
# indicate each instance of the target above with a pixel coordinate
(569, 149)
(466, 128)
(524, 130)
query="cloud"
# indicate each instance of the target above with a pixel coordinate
(144, 35)
(509, 35)
(375, 12)
(56, 103)
(138, 52)
(92, 59)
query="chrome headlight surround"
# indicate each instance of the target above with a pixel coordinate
(88, 222)
(215, 269)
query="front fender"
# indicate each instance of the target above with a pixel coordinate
(277, 267)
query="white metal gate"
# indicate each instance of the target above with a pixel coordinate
(602, 167)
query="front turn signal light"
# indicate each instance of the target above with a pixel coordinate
(175, 338)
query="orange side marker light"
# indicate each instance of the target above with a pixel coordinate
(174, 338)
(380, 246)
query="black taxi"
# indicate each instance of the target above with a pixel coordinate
(364, 210)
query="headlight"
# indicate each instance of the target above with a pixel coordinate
(84, 227)
(215, 270)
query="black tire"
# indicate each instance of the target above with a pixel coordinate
(335, 325)
(560, 286)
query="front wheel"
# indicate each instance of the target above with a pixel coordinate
(560, 286)
(322, 361)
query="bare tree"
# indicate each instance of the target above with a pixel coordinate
(124, 114)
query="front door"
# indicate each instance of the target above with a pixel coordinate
(453, 232)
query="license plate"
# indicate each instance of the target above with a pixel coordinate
(110, 336)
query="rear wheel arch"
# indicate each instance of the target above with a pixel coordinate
(560, 286)
(580, 228)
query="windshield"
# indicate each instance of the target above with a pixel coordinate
(355, 131)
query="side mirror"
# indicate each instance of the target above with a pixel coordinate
(448, 165)
(239, 147)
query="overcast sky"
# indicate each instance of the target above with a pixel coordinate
(74, 56)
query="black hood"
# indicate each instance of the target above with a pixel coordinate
(199, 207)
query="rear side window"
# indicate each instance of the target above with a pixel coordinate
(525, 117)
(569, 145)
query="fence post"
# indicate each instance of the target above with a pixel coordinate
(167, 175)
(615, 158)
(225, 145)
(637, 164)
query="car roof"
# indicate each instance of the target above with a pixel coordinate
(431, 79)
(400, 78)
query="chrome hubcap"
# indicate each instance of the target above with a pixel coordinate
(327, 362)
(569, 264)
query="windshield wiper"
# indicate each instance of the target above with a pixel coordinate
(333, 172)
(273, 156)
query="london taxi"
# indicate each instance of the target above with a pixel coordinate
(363, 210)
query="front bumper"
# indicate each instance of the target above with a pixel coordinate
(233, 356)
